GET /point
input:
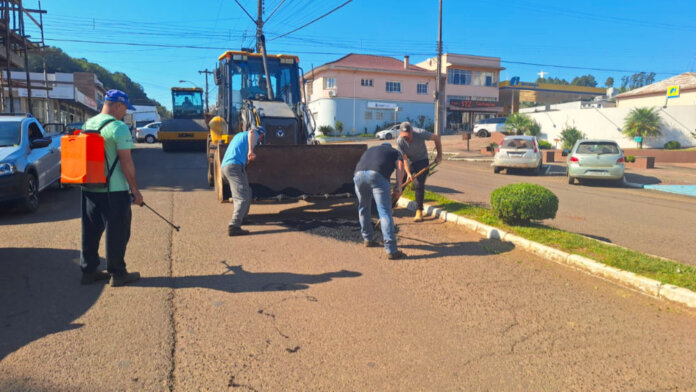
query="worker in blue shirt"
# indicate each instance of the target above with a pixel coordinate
(239, 153)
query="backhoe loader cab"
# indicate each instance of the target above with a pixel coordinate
(241, 77)
(187, 129)
(289, 163)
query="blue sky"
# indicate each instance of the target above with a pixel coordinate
(617, 35)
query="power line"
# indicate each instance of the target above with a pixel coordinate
(343, 53)
(314, 20)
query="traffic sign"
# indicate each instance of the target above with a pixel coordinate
(673, 92)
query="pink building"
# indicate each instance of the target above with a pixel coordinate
(366, 93)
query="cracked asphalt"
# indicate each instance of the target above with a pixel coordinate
(300, 305)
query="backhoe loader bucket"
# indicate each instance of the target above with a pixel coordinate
(297, 170)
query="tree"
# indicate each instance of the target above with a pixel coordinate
(521, 124)
(609, 82)
(59, 61)
(584, 80)
(643, 123)
(552, 81)
(569, 136)
(637, 80)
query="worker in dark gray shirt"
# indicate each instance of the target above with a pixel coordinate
(371, 179)
(411, 143)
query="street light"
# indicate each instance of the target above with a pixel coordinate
(186, 81)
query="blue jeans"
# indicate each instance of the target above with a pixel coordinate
(369, 184)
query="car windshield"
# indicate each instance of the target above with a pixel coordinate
(517, 144)
(10, 133)
(598, 148)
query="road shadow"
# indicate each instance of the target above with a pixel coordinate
(41, 295)
(437, 250)
(55, 205)
(235, 279)
(641, 179)
(441, 189)
(596, 237)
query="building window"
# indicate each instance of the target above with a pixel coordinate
(329, 83)
(366, 82)
(393, 87)
(483, 78)
(368, 115)
(459, 76)
(422, 88)
(379, 116)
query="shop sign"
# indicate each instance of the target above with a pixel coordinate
(381, 105)
(470, 104)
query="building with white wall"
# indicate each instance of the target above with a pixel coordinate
(656, 94)
(367, 93)
(72, 97)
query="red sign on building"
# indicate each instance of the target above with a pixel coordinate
(470, 104)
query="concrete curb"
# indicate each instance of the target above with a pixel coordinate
(626, 279)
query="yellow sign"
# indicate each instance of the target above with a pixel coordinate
(673, 92)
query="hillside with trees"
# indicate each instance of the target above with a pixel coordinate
(59, 61)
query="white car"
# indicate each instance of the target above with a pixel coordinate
(148, 133)
(390, 133)
(487, 126)
(518, 152)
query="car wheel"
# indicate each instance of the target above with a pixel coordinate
(483, 133)
(571, 180)
(150, 139)
(496, 169)
(388, 137)
(30, 202)
(538, 169)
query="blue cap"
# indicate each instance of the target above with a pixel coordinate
(118, 96)
(261, 130)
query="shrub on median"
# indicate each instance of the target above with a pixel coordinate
(521, 203)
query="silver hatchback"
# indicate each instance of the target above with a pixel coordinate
(596, 160)
(518, 152)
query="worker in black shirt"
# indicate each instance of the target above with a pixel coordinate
(372, 180)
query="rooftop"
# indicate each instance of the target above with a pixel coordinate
(366, 61)
(685, 81)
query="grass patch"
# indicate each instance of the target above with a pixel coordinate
(665, 271)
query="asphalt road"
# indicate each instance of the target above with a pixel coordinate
(652, 222)
(300, 305)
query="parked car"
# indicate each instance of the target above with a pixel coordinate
(596, 160)
(390, 133)
(29, 160)
(74, 126)
(518, 152)
(148, 133)
(485, 127)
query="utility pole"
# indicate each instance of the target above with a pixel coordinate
(259, 26)
(438, 78)
(206, 72)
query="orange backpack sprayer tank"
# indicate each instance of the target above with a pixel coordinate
(83, 159)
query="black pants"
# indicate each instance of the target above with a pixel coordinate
(110, 212)
(419, 182)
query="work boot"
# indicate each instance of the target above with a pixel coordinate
(398, 255)
(94, 276)
(122, 280)
(235, 231)
(419, 216)
(369, 243)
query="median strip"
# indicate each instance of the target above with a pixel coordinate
(651, 275)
